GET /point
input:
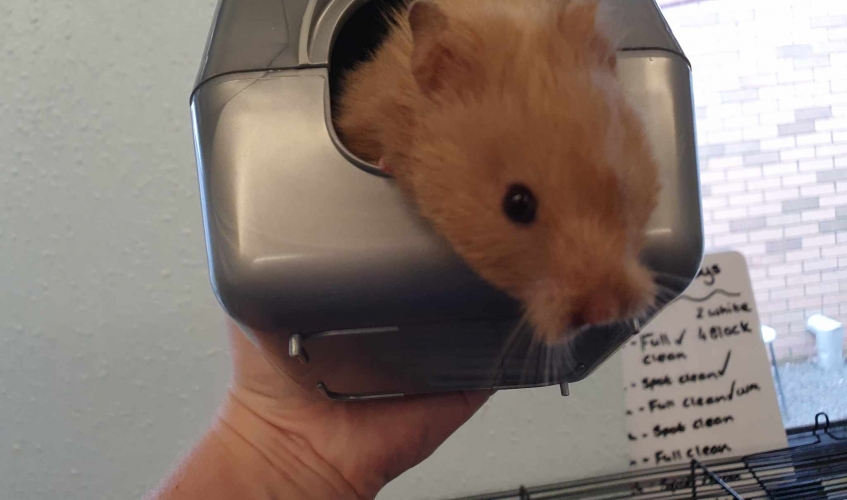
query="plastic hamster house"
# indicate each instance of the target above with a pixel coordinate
(317, 253)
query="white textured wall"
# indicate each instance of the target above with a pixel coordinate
(112, 356)
(111, 351)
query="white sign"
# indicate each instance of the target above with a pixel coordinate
(697, 379)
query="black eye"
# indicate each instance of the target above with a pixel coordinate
(520, 204)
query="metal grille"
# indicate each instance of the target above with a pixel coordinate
(813, 467)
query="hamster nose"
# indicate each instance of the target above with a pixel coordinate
(597, 309)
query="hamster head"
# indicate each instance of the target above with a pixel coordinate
(529, 160)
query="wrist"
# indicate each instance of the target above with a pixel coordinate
(282, 464)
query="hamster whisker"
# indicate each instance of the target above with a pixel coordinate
(534, 352)
(667, 291)
(508, 347)
(664, 299)
(548, 365)
(666, 279)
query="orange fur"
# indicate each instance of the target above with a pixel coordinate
(473, 96)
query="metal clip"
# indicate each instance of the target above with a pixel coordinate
(295, 349)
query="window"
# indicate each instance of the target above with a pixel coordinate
(770, 86)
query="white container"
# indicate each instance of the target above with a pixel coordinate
(829, 339)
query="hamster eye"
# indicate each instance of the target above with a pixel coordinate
(520, 204)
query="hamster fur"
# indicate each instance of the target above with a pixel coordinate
(466, 100)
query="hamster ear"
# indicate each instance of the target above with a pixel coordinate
(427, 21)
(580, 22)
(443, 58)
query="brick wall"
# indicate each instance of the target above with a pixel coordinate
(770, 85)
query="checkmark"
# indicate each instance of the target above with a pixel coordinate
(681, 336)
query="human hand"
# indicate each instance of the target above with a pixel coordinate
(321, 448)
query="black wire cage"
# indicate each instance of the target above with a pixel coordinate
(814, 466)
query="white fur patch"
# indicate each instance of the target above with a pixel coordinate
(607, 27)
(607, 82)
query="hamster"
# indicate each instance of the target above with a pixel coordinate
(504, 123)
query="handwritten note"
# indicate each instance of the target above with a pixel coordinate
(697, 378)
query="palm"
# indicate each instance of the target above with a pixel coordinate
(369, 442)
